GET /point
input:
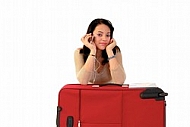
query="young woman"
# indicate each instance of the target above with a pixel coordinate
(100, 59)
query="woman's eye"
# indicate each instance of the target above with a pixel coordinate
(99, 35)
(108, 35)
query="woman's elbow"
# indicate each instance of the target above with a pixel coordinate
(82, 81)
(120, 80)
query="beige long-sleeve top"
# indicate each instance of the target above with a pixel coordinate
(107, 75)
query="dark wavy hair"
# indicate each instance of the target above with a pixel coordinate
(85, 50)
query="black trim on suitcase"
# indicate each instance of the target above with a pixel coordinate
(153, 93)
(58, 116)
(70, 121)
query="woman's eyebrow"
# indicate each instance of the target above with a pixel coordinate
(100, 31)
(103, 32)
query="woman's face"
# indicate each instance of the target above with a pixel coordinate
(102, 36)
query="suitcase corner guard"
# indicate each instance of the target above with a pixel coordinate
(58, 116)
(153, 93)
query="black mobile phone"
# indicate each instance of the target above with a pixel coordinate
(91, 39)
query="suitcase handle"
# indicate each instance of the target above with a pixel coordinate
(111, 84)
(153, 93)
(70, 121)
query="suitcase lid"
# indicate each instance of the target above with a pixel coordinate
(96, 86)
(145, 92)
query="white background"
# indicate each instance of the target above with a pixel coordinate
(38, 38)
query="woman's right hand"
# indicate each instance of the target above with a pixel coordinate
(91, 45)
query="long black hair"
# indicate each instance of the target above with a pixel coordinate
(85, 50)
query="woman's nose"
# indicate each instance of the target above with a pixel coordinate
(104, 37)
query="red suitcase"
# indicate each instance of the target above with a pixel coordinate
(110, 106)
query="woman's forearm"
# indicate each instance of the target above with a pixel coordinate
(83, 76)
(118, 75)
(86, 71)
(116, 69)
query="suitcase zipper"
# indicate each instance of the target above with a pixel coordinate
(79, 123)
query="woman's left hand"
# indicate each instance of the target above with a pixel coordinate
(111, 45)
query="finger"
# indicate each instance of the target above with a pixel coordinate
(114, 41)
(111, 41)
(86, 35)
(89, 34)
(83, 37)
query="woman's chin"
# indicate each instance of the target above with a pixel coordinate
(101, 47)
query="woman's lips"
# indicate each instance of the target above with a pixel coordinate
(103, 44)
